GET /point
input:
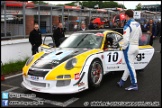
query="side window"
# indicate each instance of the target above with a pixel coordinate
(111, 36)
(115, 39)
(119, 37)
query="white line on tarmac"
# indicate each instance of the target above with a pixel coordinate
(13, 76)
(70, 101)
(6, 85)
(8, 90)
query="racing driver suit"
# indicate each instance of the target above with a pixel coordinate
(131, 33)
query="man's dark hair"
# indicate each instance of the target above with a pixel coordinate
(129, 13)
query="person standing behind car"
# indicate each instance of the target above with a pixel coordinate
(151, 29)
(83, 27)
(91, 25)
(158, 28)
(131, 33)
(35, 38)
(58, 34)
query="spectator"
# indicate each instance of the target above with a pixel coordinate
(91, 25)
(115, 25)
(159, 28)
(151, 29)
(144, 27)
(54, 27)
(111, 23)
(75, 27)
(35, 38)
(59, 35)
(83, 27)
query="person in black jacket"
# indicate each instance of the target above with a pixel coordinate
(35, 38)
(91, 25)
(151, 29)
(59, 35)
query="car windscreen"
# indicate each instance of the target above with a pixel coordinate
(82, 40)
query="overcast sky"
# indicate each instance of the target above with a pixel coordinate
(127, 4)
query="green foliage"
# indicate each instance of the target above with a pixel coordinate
(71, 4)
(102, 4)
(139, 6)
(60, 5)
(13, 67)
(39, 2)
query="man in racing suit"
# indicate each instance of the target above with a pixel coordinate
(131, 33)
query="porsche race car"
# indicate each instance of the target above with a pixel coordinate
(79, 62)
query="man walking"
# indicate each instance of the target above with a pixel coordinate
(35, 38)
(131, 33)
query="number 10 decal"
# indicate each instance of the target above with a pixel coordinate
(112, 57)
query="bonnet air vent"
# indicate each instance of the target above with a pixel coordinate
(59, 53)
(76, 52)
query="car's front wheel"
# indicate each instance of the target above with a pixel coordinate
(95, 74)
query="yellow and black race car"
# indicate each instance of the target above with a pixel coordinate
(79, 62)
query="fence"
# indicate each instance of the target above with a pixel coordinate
(18, 18)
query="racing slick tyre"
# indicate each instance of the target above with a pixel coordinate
(95, 74)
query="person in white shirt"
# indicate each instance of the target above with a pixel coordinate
(75, 27)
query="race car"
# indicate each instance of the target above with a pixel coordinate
(79, 62)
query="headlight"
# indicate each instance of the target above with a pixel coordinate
(29, 60)
(71, 63)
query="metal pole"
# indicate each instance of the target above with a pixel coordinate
(51, 20)
(39, 15)
(68, 20)
(79, 18)
(5, 19)
(24, 19)
(89, 16)
(63, 16)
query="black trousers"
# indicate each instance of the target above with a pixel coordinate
(57, 42)
(151, 40)
(34, 49)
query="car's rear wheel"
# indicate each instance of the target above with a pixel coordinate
(95, 74)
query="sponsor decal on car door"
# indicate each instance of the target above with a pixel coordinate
(113, 60)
